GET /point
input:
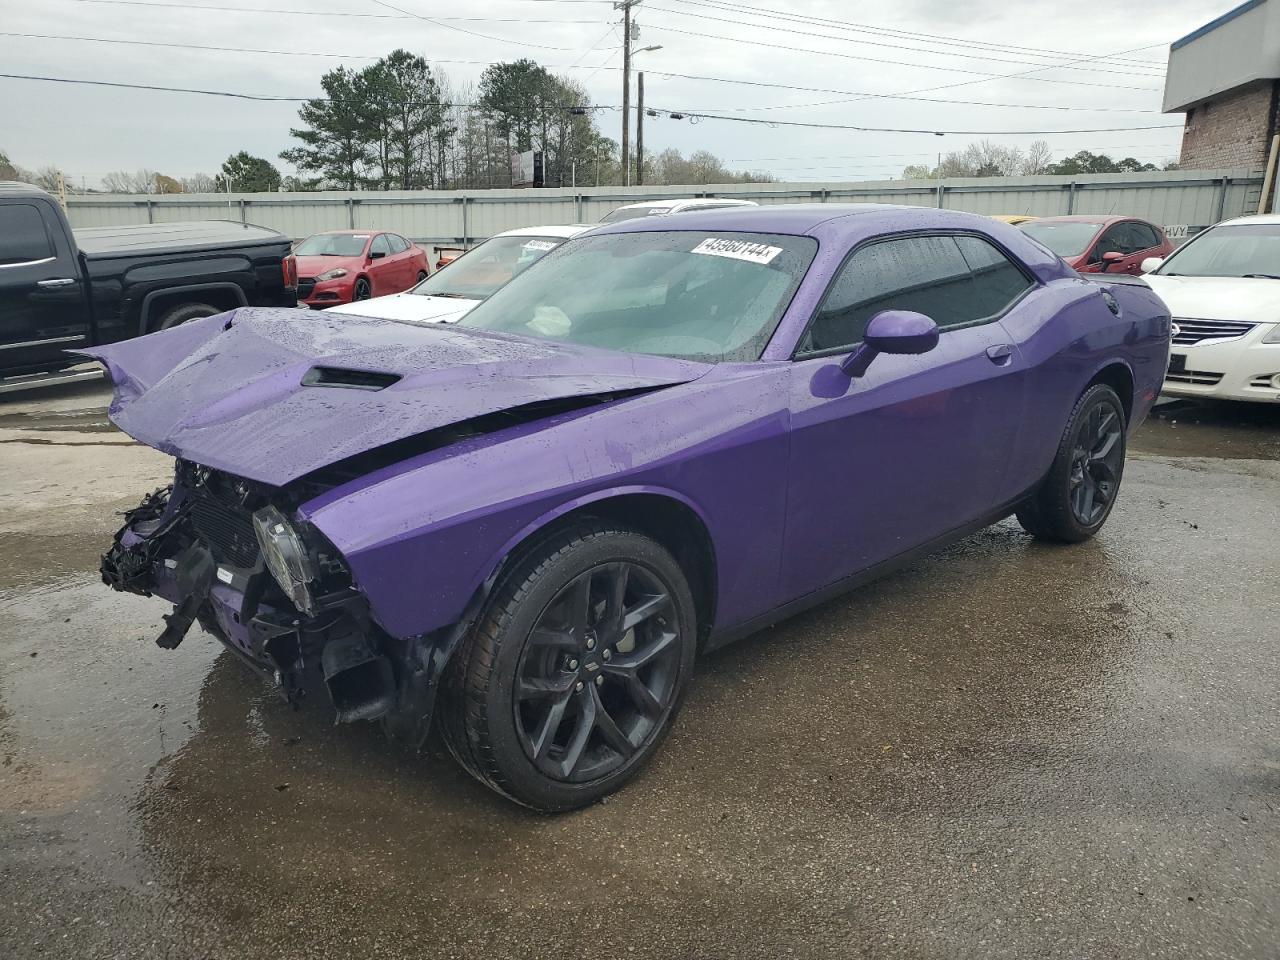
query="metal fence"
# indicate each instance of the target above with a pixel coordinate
(1186, 199)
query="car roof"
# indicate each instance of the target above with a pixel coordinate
(687, 202)
(1087, 218)
(1267, 218)
(802, 219)
(565, 230)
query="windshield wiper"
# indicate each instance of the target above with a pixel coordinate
(451, 296)
(1261, 276)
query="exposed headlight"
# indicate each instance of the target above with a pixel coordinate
(285, 555)
(333, 274)
(1273, 336)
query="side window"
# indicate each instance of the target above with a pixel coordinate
(1112, 241)
(997, 281)
(398, 243)
(380, 245)
(1144, 236)
(23, 237)
(925, 274)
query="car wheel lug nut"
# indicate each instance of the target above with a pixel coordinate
(591, 644)
(578, 686)
(573, 664)
(607, 655)
(599, 681)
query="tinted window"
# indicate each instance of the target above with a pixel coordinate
(23, 237)
(380, 244)
(1143, 236)
(997, 281)
(929, 275)
(398, 244)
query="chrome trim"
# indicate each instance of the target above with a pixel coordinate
(39, 343)
(27, 263)
(56, 283)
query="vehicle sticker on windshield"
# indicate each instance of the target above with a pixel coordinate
(540, 245)
(737, 250)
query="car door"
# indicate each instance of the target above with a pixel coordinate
(42, 300)
(1142, 242)
(382, 268)
(916, 447)
(402, 250)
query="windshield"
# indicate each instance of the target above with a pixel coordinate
(1243, 250)
(486, 267)
(633, 213)
(694, 295)
(332, 245)
(1066, 239)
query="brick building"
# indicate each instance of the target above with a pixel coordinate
(1225, 77)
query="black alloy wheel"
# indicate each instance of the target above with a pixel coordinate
(1076, 497)
(1097, 459)
(574, 671)
(422, 275)
(362, 290)
(598, 672)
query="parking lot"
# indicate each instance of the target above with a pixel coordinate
(1008, 750)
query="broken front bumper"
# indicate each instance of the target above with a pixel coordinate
(205, 559)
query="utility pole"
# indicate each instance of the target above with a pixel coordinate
(626, 6)
(640, 128)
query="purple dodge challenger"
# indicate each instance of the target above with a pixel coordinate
(657, 439)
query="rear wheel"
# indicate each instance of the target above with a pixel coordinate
(573, 674)
(422, 275)
(1076, 497)
(182, 313)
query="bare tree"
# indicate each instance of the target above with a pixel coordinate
(122, 181)
(1038, 158)
(199, 183)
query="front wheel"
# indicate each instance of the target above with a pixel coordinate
(362, 290)
(1075, 499)
(572, 676)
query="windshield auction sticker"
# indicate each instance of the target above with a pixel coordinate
(737, 250)
(540, 245)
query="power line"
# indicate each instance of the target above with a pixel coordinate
(898, 63)
(187, 8)
(857, 94)
(937, 39)
(696, 117)
(470, 33)
(987, 57)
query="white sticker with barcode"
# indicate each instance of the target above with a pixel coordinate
(225, 575)
(738, 250)
(540, 245)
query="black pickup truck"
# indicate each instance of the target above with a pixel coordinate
(60, 289)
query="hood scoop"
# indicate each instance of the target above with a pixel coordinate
(349, 379)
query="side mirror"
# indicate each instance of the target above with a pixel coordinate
(891, 331)
(376, 254)
(1152, 264)
(1110, 258)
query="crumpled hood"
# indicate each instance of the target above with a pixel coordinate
(410, 306)
(1249, 299)
(227, 391)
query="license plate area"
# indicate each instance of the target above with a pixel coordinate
(1177, 363)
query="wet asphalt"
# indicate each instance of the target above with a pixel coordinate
(1006, 750)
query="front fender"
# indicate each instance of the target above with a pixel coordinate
(422, 536)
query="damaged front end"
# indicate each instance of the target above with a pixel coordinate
(226, 553)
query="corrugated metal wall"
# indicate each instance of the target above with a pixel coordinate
(1191, 198)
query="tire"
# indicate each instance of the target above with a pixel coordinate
(550, 656)
(422, 275)
(1074, 500)
(184, 312)
(362, 290)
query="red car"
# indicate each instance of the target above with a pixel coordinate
(1100, 244)
(346, 265)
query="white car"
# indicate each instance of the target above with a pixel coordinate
(1223, 289)
(449, 293)
(664, 208)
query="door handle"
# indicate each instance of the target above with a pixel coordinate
(1000, 354)
(55, 284)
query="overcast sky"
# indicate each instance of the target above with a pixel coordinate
(88, 131)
